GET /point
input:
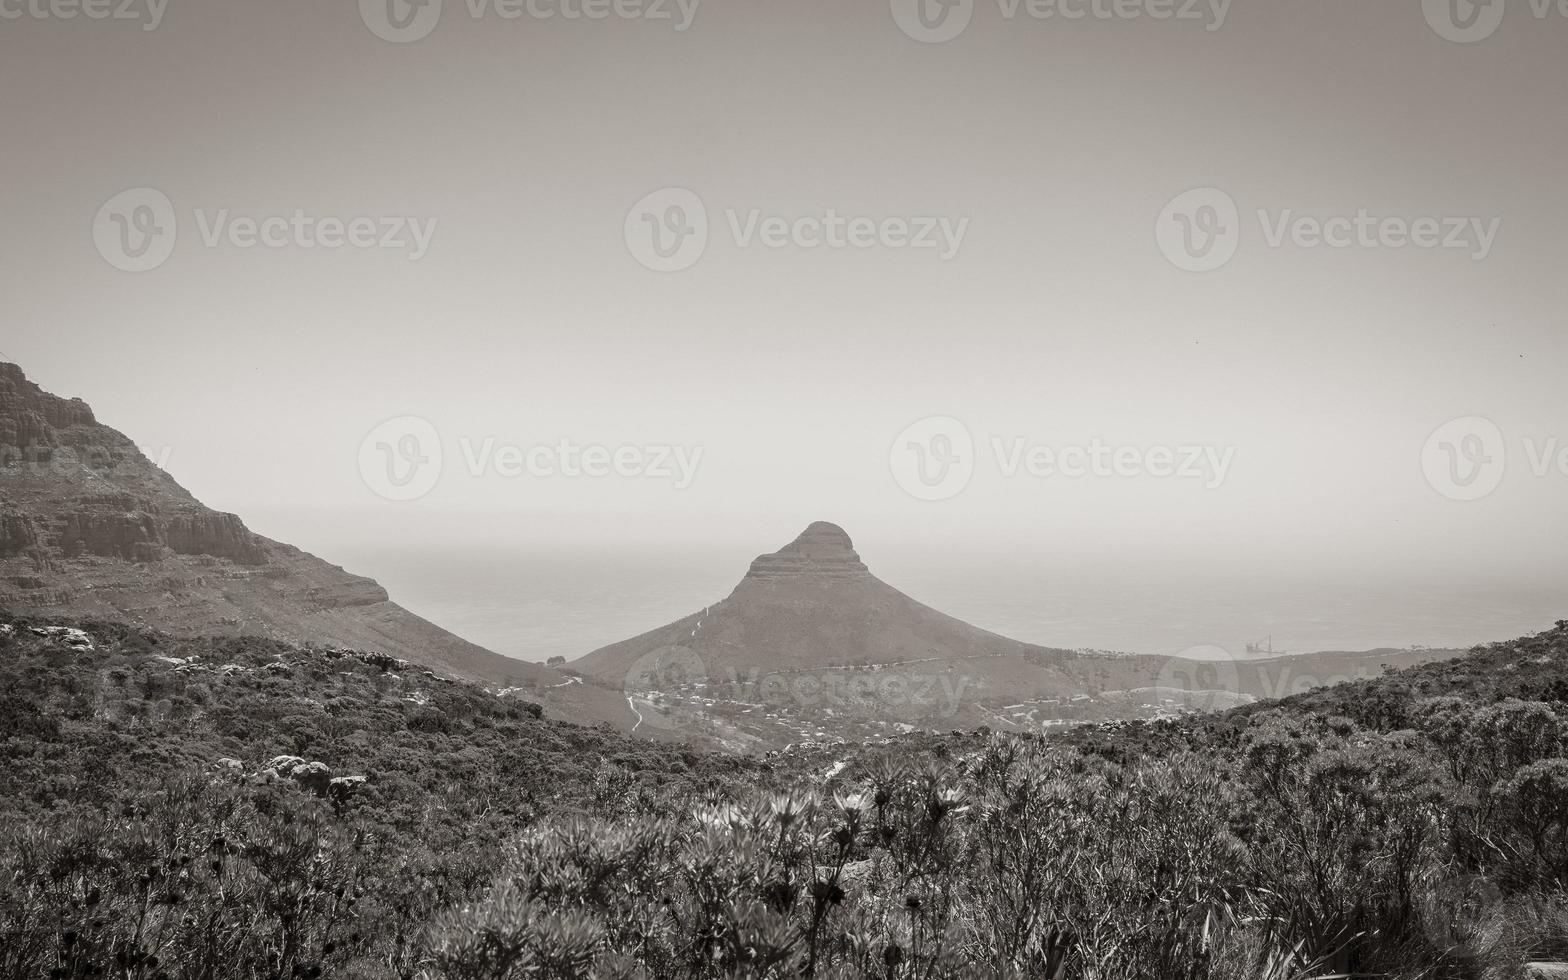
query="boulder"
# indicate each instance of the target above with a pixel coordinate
(71, 637)
(314, 776)
(342, 787)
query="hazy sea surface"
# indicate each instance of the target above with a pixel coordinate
(538, 606)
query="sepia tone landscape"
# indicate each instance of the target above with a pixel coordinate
(227, 757)
(826, 490)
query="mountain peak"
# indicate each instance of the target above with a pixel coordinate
(30, 416)
(821, 537)
(822, 549)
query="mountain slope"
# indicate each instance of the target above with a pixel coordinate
(811, 646)
(810, 604)
(89, 526)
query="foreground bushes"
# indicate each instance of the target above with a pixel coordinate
(1020, 861)
(1309, 839)
(1312, 849)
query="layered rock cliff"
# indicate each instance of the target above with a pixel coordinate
(822, 550)
(89, 526)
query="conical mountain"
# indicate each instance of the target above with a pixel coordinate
(811, 604)
(811, 646)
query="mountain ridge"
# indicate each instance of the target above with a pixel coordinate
(90, 526)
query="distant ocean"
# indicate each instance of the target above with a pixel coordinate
(534, 607)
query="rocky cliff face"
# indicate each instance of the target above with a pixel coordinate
(89, 526)
(823, 550)
(30, 417)
(76, 489)
(17, 535)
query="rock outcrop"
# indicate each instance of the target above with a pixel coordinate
(90, 527)
(822, 550)
(30, 417)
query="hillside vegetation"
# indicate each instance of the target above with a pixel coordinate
(193, 808)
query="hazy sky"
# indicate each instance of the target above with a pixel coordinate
(1054, 144)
